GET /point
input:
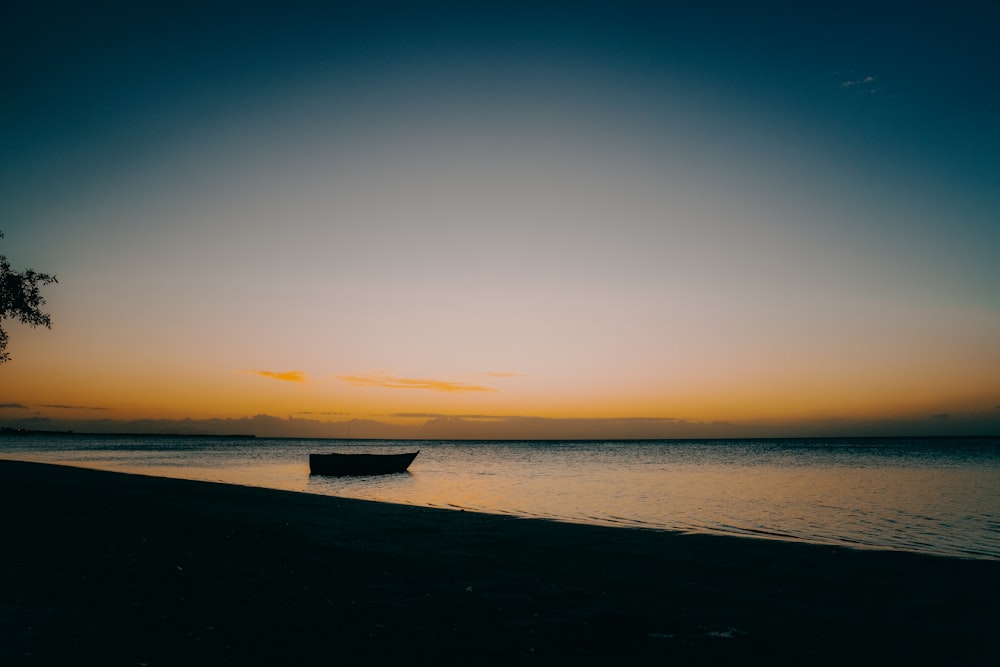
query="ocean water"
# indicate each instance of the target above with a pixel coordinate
(935, 495)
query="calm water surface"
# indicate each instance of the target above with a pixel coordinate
(933, 495)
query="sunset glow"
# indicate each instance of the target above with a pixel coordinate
(455, 222)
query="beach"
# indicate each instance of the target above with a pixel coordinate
(102, 568)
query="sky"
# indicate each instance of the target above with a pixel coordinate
(544, 219)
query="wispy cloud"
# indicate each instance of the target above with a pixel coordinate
(524, 418)
(284, 376)
(501, 374)
(389, 382)
(323, 414)
(13, 406)
(439, 415)
(854, 83)
(60, 406)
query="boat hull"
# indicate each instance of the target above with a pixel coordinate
(360, 464)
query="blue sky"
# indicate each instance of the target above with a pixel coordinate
(776, 213)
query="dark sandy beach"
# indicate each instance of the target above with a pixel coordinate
(101, 568)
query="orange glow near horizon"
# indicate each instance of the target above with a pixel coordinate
(739, 391)
(784, 402)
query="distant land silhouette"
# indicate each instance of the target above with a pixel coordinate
(478, 427)
(5, 430)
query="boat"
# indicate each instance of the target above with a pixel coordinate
(360, 464)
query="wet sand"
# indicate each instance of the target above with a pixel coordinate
(102, 568)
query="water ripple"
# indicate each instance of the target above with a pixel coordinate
(932, 495)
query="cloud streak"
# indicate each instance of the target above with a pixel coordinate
(854, 83)
(60, 406)
(524, 418)
(439, 415)
(284, 376)
(389, 382)
(13, 406)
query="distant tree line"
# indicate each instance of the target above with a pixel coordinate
(21, 299)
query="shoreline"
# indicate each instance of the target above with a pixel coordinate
(112, 568)
(959, 529)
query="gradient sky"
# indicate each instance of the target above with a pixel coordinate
(696, 218)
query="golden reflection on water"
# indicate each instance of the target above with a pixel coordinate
(875, 507)
(942, 509)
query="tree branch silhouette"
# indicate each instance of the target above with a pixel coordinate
(21, 299)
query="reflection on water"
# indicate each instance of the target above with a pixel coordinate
(932, 496)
